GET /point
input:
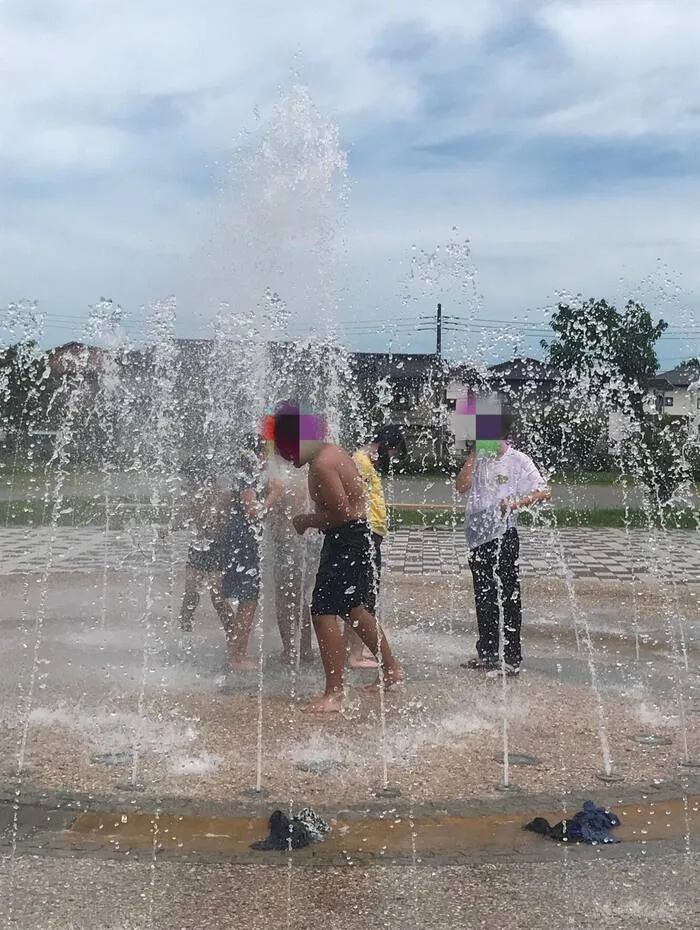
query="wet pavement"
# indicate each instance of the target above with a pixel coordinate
(97, 696)
(131, 866)
(604, 553)
(617, 893)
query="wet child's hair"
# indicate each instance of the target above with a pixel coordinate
(391, 437)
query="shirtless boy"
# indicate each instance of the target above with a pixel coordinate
(344, 582)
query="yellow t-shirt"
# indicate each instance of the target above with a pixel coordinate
(374, 493)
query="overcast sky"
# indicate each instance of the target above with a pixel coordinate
(559, 138)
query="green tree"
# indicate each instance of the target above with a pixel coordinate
(613, 352)
(24, 388)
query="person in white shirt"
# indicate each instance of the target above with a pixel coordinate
(499, 480)
(294, 560)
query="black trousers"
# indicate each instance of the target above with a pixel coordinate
(497, 587)
(377, 541)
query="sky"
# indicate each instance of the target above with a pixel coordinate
(495, 156)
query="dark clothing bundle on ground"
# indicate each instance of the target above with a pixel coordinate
(296, 832)
(590, 825)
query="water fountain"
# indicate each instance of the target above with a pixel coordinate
(150, 408)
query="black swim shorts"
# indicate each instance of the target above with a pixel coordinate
(346, 576)
(241, 569)
(208, 559)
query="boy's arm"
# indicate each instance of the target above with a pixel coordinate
(538, 490)
(335, 509)
(534, 497)
(466, 472)
(274, 492)
(249, 502)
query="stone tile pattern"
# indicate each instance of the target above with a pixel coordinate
(584, 553)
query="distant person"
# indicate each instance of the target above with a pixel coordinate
(225, 551)
(344, 578)
(292, 563)
(207, 510)
(499, 480)
(386, 445)
(241, 540)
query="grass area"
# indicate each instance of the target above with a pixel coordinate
(562, 477)
(84, 512)
(589, 477)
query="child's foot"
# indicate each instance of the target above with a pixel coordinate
(185, 625)
(362, 662)
(479, 664)
(326, 704)
(508, 671)
(241, 663)
(391, 678)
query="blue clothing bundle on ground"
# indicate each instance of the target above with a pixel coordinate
(590, 825)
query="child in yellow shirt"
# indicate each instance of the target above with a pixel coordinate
(388, 443)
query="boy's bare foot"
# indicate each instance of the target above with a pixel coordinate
(362, 662)
(241, 663)
(391, 678)
(326, 704)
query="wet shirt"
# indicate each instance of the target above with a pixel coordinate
(241, 529)
(295, 495)
(374, 493)
(494, 479)
(208, 511)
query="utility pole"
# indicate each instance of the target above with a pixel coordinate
(438, 333)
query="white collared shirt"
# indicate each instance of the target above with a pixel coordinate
(494, 479)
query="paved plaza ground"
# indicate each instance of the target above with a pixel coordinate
(128, 755)
(584, 553)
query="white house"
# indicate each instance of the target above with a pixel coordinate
(677, 391)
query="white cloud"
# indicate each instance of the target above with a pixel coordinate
(102, 198)
(635, 61)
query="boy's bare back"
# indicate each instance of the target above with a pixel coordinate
(335, 485)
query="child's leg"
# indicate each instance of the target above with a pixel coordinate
(482, 562)
(238, 642)
(284, 599)
(355, 650)
(222, 606)
(367, 628)
(190, 600)
(330, 646)
(508, 573)
(357, 658)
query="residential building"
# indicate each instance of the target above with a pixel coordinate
(409, 391)
(677, 391)
(520, 386)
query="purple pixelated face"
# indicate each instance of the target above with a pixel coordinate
(481, 420)
(297, 432)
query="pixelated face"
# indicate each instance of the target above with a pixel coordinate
(294, 432)
(481, 421)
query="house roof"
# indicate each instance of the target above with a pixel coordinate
(682, 376)
(525, 369)
(396, 365)
(64, 358)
